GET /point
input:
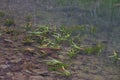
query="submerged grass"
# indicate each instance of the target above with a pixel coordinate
(45, 40)
(48, 41)
(115, 56)
(97, 49)
(56, 65)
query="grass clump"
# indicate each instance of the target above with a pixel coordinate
(72, 53)
(28, 26)
(28, 40)
(8, 30)
(115, 56)
(62, 35)
(97, 49)
(28, 18)
(75, 49)
(2, 14)
(60, 38)
(58, 66)
(41, 30)
(9, 22)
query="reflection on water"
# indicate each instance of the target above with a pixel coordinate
(105, 14)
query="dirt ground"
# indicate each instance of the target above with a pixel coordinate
(17, 64)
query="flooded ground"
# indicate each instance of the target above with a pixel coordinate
(15, 65)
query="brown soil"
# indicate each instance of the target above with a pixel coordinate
(18, 64)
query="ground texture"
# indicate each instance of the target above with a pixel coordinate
(18, 64)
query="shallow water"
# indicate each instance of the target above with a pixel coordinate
(68, 13)
(72, 14)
